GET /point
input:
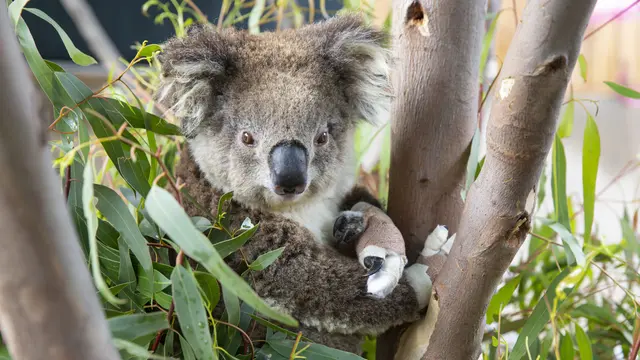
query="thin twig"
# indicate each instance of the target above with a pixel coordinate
(292, 356)
(246, 338)
(610, 20)
(195, 7)
(67, 182)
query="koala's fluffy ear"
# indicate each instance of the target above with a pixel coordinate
(193, 70)
(358, 53)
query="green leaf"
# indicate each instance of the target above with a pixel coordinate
(92, 227)
(595, 313)
(542, 186)
(584, 344)
(135, 349)
(187, 351)
(191, 312)
(472, 163)
(160, 282)
(275, 327)
(228, 247)
(133, 326)
(623, 90)
(149, 50)
(559, 183)
(15, 10)
(266, 259)
(566, 124)
(312, 352)
(566, 348)
(232, 306)
(45, 77)
(486, 42)
(501, 299)
(167, 213)
(116, 111)
(571, 246)
(590, 161)
(223, 199)
(582, 61)
(210, 288)
(630, 236)
(538, 318)
(76, 55)
(115, 210)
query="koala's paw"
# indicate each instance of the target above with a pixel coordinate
(417, 277)
(348, 227)
(382, 282)
(438, 241)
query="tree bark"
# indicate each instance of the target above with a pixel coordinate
(48, 304)
(496, 217)
(437, 52)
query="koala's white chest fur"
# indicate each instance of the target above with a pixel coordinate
(317, 216)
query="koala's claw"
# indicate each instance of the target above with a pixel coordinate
(373, 264)
(348, 227)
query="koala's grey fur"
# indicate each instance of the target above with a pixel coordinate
(290, 85)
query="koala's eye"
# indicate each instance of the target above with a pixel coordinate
(247, 139)
(322, 138)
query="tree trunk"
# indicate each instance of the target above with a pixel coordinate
(48, 304)
(496, 217)
(437, 52)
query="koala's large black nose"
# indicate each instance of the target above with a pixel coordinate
(288, 162)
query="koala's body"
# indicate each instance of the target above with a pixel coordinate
(271, 117)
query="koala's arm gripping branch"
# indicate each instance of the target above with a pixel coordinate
(520, 133)
(322, 288)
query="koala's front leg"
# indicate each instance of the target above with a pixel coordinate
(327, 290)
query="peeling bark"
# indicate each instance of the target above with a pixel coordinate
(48, 304)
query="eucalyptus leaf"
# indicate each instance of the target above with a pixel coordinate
(228, 247)
(167, 213)
(136, 350)
(538, 318)
(210, 288)
(133, 326)
(501, 298)
(584, 344)
(559, 183)
(191, 313)
(266, 259)
(570, 244)
(590, 162)
(567, 352)
(623, 90)
(115, 210)
(92, 228)
(76, 55)
(582, 62)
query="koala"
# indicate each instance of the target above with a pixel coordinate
(271, 117)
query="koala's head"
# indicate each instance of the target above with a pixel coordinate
(271, 117)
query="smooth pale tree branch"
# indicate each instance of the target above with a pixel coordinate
(48, 304)
(435, 79)
(434, 116)
(520, 133)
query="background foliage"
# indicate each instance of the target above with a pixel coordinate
(115, 156)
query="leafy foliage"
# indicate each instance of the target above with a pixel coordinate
(116, 157)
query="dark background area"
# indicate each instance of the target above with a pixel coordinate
(122, 20)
